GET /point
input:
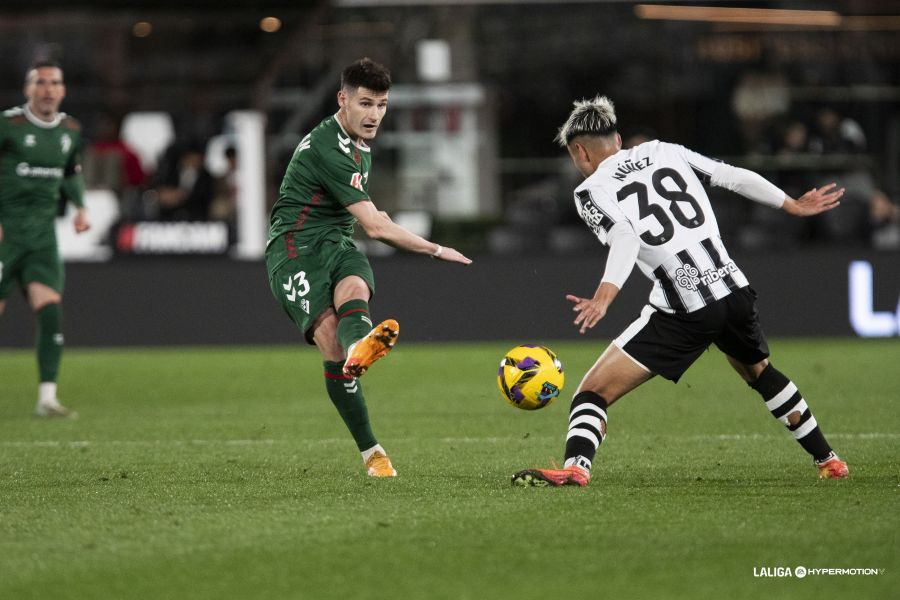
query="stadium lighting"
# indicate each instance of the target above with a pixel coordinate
(762, 16)
(142, 29)
(270, 24)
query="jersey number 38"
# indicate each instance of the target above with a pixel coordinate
(676, 197)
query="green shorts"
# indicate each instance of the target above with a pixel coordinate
(21, 265)
(303, 280)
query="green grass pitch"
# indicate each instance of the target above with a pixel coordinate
(225, 473)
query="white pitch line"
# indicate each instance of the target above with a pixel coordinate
(445, 440)
(86, 443)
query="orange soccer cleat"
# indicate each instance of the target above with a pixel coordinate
(376, 344)
(573, 475)
(833, 468)
(379, 465)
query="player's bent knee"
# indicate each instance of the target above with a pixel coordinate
(351, 288)
(749, 373)
(40, 295)
(2, 306)
(602, 384)
(39, 305)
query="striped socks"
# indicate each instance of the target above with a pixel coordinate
(786, 404)
(587, 428)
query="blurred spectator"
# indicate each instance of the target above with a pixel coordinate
(884, 222)
(759, 99)
(794, 144)
(185, 189)
(835, 134)
(109, 163)
(795, 139)
(224, 203)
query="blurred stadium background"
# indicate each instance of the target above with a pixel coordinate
(222, 473)
(192, 109)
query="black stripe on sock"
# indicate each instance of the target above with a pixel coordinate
(590, 428)
(815, 444)
(580, 446)
(806, 416)
(585, 411)
(770, 382)
(787, 406)
(588, 397)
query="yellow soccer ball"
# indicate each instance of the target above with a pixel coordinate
(530, 377)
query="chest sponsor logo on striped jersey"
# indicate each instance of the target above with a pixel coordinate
(689, 277)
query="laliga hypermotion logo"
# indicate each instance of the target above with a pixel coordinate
(865, 320)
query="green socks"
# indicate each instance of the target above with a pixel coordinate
(49, 341)
(354, 322)
(347, 396)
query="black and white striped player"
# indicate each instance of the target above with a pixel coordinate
(648, 204)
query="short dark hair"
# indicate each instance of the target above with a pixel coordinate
(43, 63)
(368, 74)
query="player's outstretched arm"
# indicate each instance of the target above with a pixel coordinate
(815, 201)
(379, 226)
(623, 251)
(451, 255)
(592, 310)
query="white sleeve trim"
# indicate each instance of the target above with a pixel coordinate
(623, 251)
(748, 184)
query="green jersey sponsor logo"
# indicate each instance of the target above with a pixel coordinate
(26, 170)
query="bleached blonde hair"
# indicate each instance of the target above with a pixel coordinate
(589, 117)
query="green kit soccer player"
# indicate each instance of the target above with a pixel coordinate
(39, 160)
(315, 270)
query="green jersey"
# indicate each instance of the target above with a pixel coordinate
(327, 173)
(37, 160)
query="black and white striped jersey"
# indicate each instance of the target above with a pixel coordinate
(656, 188)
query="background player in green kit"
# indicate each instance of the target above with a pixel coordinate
(315, 271)
(39, 159)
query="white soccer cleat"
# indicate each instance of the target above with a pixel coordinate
(54, 410)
